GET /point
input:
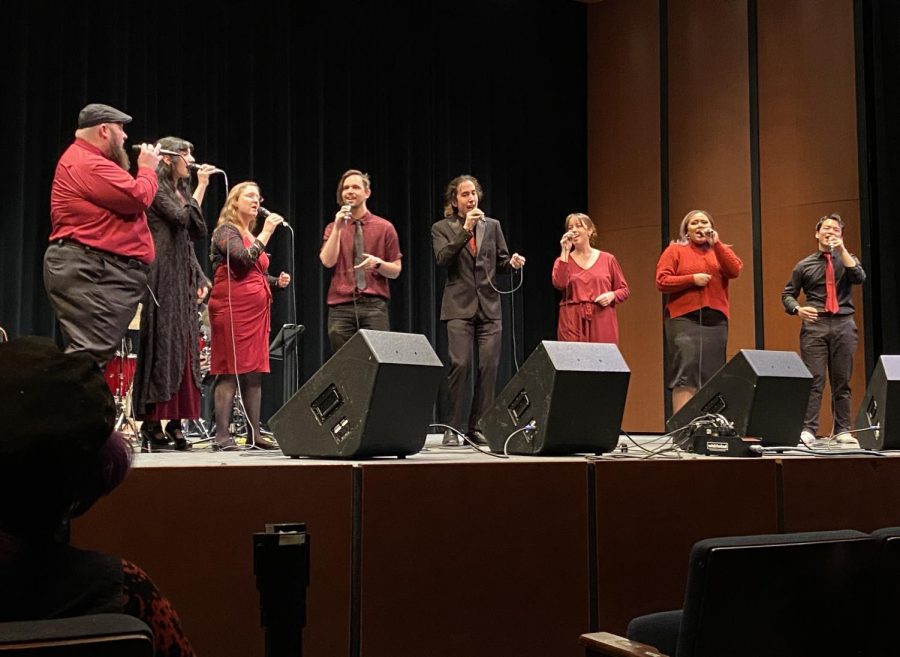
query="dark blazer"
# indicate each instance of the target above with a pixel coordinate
(469, 277)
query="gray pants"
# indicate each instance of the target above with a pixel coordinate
(344, 319)
(829, 343)
(95, 296)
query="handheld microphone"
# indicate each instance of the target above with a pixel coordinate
(162, 151)
(264, 213)
(193, 166)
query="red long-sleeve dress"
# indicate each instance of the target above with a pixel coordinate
(580, 318)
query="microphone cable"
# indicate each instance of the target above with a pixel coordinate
(512, 309)
(292, 309)
(238, 395)
(468, 440)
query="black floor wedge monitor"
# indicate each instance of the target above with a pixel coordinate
(573, 392)
(879, 413)
(374, 397)
(764, 393)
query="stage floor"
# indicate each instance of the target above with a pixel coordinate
(633, 447)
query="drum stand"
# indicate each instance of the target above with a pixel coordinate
(124, 419)
(197, 428)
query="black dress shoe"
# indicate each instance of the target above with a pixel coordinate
(180, 443)
(477, 437)
(154, 440)
(450, 439)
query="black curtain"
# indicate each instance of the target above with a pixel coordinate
(291, 95)
(878, 72)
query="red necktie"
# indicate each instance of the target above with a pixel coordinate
(473, 249)
(831, 302)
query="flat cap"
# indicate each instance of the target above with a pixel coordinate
(97, 113)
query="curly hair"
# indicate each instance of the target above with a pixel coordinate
(450, 192)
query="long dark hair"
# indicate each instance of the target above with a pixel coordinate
(165, 172)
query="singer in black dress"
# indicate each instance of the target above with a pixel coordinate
(167, 377)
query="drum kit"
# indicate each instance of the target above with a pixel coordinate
(120, 371)
(119, 375)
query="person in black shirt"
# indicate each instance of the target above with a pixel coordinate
(828, 336)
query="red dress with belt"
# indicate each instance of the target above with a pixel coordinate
(239, 304)
(580, 318)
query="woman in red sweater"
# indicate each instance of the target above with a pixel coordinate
(592, 284)
(694, 271)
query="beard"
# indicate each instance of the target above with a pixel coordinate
(118, 155)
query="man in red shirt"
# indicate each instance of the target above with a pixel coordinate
(364, 252)
(95, 268)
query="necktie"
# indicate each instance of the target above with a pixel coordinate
(358, 257)
(831, 302)
(473, 248)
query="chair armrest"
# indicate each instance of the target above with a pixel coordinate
(604, 643)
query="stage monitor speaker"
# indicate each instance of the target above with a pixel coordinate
(881, 407)
(574, 392)
(764, 393)
(374, 397)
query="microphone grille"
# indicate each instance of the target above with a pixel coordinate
(263, 212)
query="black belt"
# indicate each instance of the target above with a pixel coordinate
(130, 263)
(362, 299)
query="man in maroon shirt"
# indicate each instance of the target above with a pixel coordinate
(364, 252)
(95, 268)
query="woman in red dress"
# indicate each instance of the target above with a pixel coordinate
(239, 309)
(592, 284)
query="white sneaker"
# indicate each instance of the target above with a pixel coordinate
(845, 439)
(807, 438)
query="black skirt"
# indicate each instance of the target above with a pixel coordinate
(695, 345)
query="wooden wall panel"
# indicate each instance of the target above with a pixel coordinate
(840, 493)
(476, 559)
(191, 529)
(624, 187)
(709, 136)
(650, 513)
(808, 149)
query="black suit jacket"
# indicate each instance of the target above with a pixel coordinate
(469, 277)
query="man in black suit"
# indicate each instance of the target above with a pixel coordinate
(472, 248)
